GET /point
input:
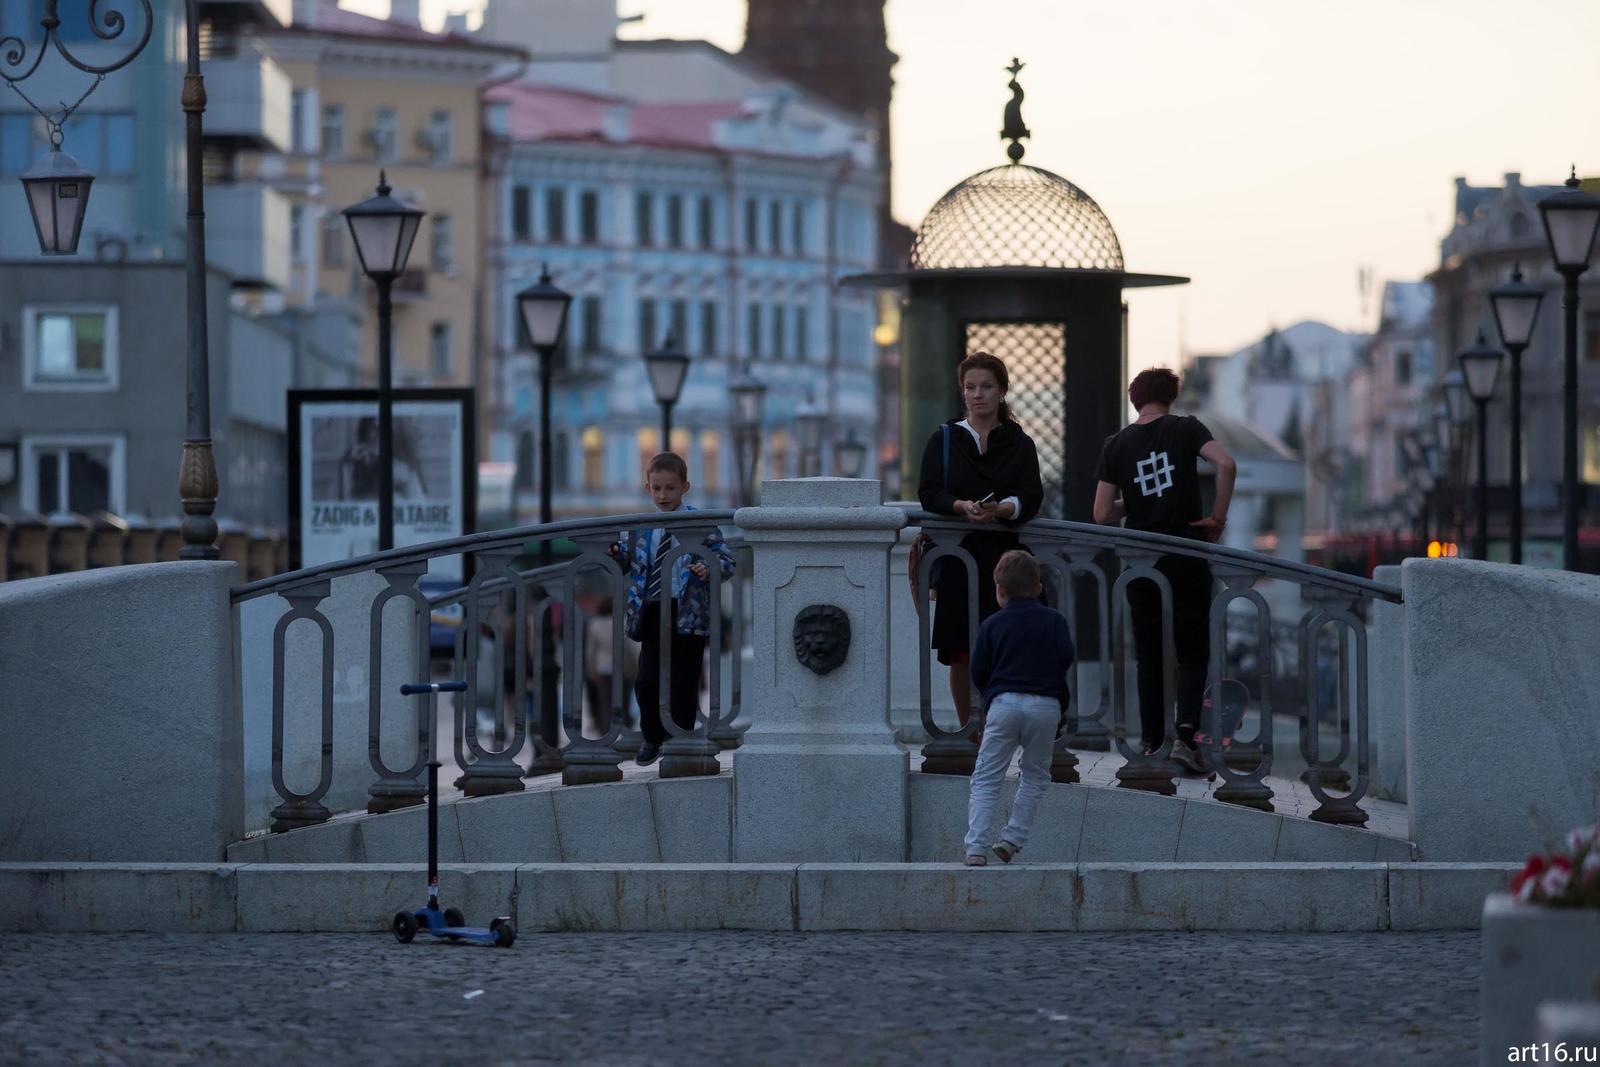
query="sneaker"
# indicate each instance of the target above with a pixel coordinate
(1189, 757)
(647, 754)
(977, 859)
(1005, 850)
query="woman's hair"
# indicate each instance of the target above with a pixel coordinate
(1018, 573)
(995, 366)
(1158, 385)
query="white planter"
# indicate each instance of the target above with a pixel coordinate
(1532, 954)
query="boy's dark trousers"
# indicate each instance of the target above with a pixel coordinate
(687, 655)
(1190, 579)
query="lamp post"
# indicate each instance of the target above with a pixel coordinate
(383, 230)
(542, 308)
(749, 397)
(850, 456)
(1480, 366)
(1571, 219)
(1516, 306)
(808, 425)
(1458, 408)
(667, 367)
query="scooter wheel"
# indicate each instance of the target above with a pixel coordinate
(453, 917)
(404, 927)
(504, 933)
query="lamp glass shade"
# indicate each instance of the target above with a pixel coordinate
(383, 230)
(1571, 219)
(57, 188)
(749, 396)
(808, 430)
(543, 307)
(1456, 398)
(667, 366)
(850, 457)
(1516, 306)
(1480, 365)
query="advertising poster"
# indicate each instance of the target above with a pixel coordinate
(334, 466)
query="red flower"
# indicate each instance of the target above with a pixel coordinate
(1529, 874)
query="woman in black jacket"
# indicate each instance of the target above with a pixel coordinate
(993, 483)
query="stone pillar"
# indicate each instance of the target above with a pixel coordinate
(820, 778)
(1386, 692)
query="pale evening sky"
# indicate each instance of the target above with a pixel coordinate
(1265, 148)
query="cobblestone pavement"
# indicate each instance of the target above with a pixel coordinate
(279, 999)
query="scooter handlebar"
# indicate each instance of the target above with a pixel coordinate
(413, 688)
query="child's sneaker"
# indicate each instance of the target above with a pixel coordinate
(1005, 850)
(977, 859)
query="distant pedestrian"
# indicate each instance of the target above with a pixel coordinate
(1147, 477)
(685, 593)
(1020, 665)
(600, 667)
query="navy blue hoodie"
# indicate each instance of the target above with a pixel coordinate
(1024, 647)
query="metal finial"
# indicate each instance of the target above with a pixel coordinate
(383, 183)
(1014, 129)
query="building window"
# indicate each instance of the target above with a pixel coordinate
(70, 347)
(647, 324)
(333, 238)
(751, 225)
(439, 129)
(644, 208)
(333, 131)
(778, 455)
(649, 442)
(798, 237)
(521, 213)
(1402, 367)
(444, 257)
(589, 217)
(802, 333)
(594, 459)
(555, 214)
(780, 320)
(590, 315)
(18, 142)
(755, 331)
(525, 477)
(439, 351)
(705, 222)
(382, 134)
(674, 221)
(80, 474)
(680, 323)
(708, 327)
(297, 237)
(775, 226)
(1591, 336)
(710, 475)
(297, 120)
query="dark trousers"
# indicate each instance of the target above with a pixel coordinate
(687, 655)
(1191, 637)
(599, 690)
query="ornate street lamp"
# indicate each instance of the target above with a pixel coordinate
(543, 307)
(1480, 366)
(1516, 306)
(749, 397)
(58, 195)
(383, 230)
(850, 456)
(667, 366)
(1456, 398)
(809, 423)
(1571, 219)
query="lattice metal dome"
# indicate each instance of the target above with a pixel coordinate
(1016, 216)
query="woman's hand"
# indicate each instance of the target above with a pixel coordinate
(1003, 509)
(974, 511)
(698, 569)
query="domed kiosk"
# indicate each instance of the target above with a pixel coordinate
(1018, 261)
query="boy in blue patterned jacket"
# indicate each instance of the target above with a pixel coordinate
(689, 596)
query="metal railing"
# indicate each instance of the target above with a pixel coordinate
(516, 611)
(1089, 570)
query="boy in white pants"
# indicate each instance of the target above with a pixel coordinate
(1019, 665)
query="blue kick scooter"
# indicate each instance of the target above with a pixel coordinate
(449, 923)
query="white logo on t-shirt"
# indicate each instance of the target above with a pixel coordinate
(1154, 474)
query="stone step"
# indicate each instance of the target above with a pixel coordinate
(1300, 897)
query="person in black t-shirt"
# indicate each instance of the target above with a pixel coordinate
(1147, 477)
